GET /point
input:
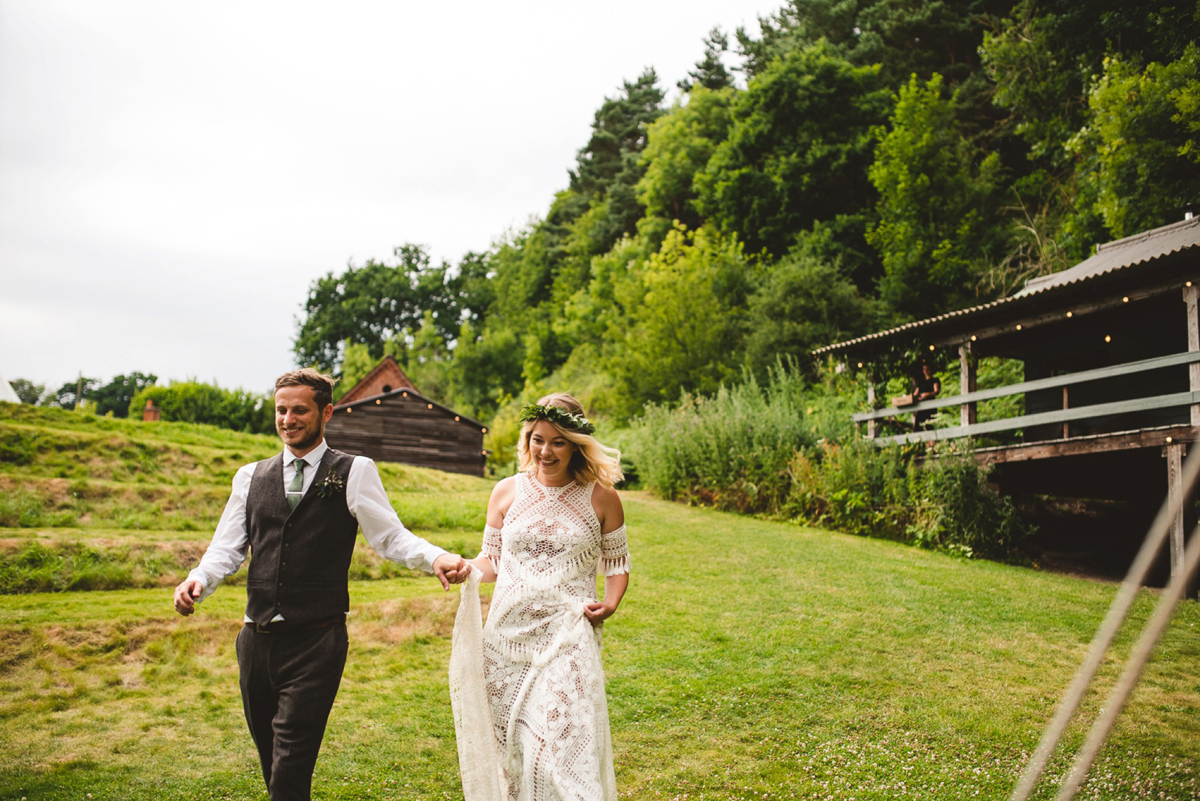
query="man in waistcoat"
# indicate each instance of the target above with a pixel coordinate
(299, 514)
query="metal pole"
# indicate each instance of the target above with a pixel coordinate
(1108, 628)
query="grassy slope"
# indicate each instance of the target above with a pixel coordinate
(751, 659)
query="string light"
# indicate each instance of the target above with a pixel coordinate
(931, 347)
(485, 430)
(1018, 326)
(1069, 314)
(378, 401)
(1125, 299)
(429, 406)
(349, 410)
(1107, 338)
(456, 418)
(405, 394)
(860, 364)
(1189, 283)
(1170, 440)
(972, 337)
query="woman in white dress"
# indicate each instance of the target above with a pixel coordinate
(528, 689)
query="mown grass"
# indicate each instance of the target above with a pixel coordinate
(751, 659)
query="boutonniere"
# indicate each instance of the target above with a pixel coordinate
(331, 485)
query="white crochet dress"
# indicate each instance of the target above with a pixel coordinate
(528, 687)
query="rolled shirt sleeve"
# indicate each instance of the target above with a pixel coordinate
(381, 526)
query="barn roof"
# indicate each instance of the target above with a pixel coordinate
(1110, 258)
(406, 392)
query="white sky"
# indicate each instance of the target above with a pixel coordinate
(174, 176)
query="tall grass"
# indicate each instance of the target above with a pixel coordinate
(733, 450)
(787, 447)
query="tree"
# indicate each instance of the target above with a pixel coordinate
(798, 150)
(115, 396)
(28, 391)
(1137, 143)
(938, 212)
(803, 303)
(374, 302)
(686, 310)
(710, 72)
(67, 396)
(679, 145)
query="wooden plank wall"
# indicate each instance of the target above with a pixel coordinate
(405, 430)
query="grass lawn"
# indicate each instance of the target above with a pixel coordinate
(751, 659)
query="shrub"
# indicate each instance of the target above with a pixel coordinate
(731, 450)
(193, 402)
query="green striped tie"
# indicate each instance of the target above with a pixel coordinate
(295, 490)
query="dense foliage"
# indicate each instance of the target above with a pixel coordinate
(853, 165)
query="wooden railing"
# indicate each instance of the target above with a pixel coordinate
(1190, 398)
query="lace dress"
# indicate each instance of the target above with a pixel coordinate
(528, 687)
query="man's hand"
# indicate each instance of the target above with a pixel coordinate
(185, 596)
(450, 568)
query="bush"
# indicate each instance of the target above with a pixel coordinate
(732, 450)
(956, 511)
(193, 402)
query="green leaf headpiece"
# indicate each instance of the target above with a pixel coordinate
(557, 415)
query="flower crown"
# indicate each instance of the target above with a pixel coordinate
(557, 415)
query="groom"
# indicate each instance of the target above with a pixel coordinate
(299, 514)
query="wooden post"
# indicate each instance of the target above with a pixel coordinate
(1066, 405)
(1174, 454)
(966, 372)
(871, 403)
(1190, 294)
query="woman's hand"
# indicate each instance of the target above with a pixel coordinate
(599, 611)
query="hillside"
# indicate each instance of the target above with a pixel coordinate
(95, 503)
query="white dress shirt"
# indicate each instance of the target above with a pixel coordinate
(365, 499)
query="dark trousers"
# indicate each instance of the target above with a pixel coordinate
(289, 681)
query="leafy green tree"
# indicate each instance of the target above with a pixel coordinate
(679, 145)
(938, 212)
(1138, 143)
(428, 360)
(374, 302)
(28, 391)
(798, 150)
(802, 303)
(686, 319)
(67, 395)
(357, 362)
(114, 397)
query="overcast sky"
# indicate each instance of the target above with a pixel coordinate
(174, 176)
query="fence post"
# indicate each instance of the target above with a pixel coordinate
(871, 404)
(966, 371)
(1190, 294)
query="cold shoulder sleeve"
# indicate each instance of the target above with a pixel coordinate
(491, 545)
(614, 552)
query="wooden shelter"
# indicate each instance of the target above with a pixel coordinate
(1110, 350)
(386, 418)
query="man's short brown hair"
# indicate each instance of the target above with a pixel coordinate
(322, 385)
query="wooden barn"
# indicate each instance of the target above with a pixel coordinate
(386, 418)
(1109, 401)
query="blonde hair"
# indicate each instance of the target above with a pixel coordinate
(590, 462)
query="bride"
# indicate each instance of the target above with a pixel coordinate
(528, 687)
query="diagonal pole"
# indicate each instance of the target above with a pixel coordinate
(1136, 577)
(1133, 670)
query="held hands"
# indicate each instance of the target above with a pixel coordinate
(185, 596)
(599, 611)
(450, 569)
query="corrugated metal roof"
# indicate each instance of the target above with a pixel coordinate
(1109, 258)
